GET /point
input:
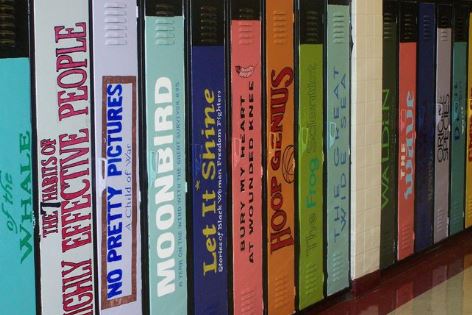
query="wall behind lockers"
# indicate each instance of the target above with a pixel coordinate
(366, 136)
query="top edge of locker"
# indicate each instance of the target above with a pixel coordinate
(14, 36)
(164, 8)
(311, 22)
(339, 2)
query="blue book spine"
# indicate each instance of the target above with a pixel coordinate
(209, 159)
(426, 122)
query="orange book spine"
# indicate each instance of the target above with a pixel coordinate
(280, 156)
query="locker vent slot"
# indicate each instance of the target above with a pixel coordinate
(246, 33)
(339, 28)
(209, 24)
(164, 31)
(428, 27)
(389, 25)
(8, 36)
(115, 24)
(280, 26)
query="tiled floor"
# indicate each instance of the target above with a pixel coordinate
(453, 296)
(435, 282)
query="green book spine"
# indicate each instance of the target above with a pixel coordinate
(389, 131)
(310, 154)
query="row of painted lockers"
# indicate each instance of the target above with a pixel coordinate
(195, 156)
(426, 160)
(145, 167)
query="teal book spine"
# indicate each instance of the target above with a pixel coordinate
(17, 261)
(337, 146)
(458, 120)
(17, 290)
(165, 139)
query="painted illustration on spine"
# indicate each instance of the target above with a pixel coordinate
(209, 157)
(406, 128)
(280, 159)
(458, 118)
(17, 261)
(425, 122)
(310, 152)
(116, 155)
(246, 168)
(338, 157)
(64, 145)
(389, 132)
(443, 122)
(165, 95)
(468, 166)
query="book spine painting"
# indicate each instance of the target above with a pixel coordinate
(165, 99)
(310, 156)
(406, 128)
(468, 167)
(458, 119)
(116, 155)
(17, 261)
(337, 146)
(443, 122)
(64, 135)
(280, 159)
(209, 157)
(426, 122)
(246, 170)
(389, 132)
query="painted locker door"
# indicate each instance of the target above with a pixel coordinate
(458, 118)
(280, 163)
(443, 131)
(246, 168)
(17, 261)
(425, 122)
(389, 132)
(468, 187)
(337, 145)
(115, 74)
(64, 133)
(165, 106)
(310, 152)
(406, 128)
(209, 157)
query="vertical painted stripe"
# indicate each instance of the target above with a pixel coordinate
(17, 290)
(310, 174)
(406, 148)
(246, 120)
(280, 154)
(468, 189)
(458, 137)
(337, 147)
(443, 134)
(166, 162)
(425, 126)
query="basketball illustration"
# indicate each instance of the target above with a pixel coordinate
(288, 164)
